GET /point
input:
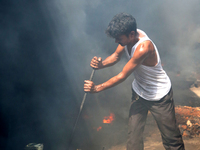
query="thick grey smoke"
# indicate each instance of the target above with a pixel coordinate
(173, 26)
(46, 48)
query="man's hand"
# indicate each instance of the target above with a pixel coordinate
(89, 86)
(96, 63)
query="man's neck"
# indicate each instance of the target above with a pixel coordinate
(131, 44)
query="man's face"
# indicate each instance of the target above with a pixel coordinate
(122, 40)
(126, 40)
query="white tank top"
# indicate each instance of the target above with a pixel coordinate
(150, 83)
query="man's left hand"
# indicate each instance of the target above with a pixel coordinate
(89, 86)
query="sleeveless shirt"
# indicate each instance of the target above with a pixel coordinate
(150, 82)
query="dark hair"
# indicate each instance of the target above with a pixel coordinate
(121, 24)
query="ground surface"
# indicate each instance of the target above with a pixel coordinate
(152, 138)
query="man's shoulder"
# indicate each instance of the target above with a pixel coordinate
(146, 45)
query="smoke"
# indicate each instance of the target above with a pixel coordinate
(46, 48)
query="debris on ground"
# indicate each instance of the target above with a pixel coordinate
(188, 119)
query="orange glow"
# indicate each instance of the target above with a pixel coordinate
(99, 128)
(109, 119)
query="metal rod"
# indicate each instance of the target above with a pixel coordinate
(81, 107)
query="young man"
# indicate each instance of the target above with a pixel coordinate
(151, 87)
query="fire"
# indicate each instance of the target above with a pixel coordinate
(109, 119)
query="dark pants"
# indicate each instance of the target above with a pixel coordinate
(163, 112)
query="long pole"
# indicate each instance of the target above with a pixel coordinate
(81, 107)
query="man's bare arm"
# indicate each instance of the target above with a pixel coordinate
(97, 63)
(139, 56)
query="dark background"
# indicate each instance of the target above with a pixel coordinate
(45, 51)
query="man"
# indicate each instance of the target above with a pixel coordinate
(151, 87)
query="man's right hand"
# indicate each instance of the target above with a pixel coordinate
(96, 63)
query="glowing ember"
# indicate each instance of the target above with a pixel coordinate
(109, 119)
(99, 128)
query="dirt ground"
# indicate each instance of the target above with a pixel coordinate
(152, 139)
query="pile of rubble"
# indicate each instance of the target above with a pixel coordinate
(188, 119)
